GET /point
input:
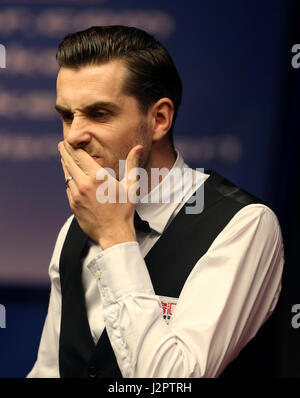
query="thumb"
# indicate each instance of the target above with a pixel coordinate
(133, 162)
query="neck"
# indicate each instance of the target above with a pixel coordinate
(162, 157)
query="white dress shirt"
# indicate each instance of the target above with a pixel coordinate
(230, 293)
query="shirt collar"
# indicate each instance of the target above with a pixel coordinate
(158, 214)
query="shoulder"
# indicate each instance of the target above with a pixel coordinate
(249, 216)
(54, 263)
(260, 213)
(64, 229)
(257, 225)
(264, 216)
(228, 190)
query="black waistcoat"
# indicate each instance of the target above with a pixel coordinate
(78, 354)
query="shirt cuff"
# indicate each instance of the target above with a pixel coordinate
(120, 271)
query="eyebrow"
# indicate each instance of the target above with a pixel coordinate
(89, 108)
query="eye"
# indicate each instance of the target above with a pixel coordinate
(67, 117)
(99, 114)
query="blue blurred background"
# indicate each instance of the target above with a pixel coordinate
(239, 116)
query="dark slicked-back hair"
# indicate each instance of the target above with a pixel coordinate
(152, 73)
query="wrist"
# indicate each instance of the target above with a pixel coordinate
(112, 238)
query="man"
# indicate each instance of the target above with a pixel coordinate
(179, 295)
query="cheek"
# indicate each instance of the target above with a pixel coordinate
(118, 139)
(65, 130)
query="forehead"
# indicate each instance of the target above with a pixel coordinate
(76, 87)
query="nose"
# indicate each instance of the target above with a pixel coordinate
(78, 134)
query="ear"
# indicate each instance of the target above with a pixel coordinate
(161, 118)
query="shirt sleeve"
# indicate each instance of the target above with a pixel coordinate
(47, 364)
(230, 293)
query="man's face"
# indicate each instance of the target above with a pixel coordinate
(98, 116)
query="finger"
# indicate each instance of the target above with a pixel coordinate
(70, 198)
(131, 174)
(71, 167)
(83, 160)
(65, 171)
(71, 184)
(69, 188)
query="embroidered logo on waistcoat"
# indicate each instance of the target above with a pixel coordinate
(168, 305)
